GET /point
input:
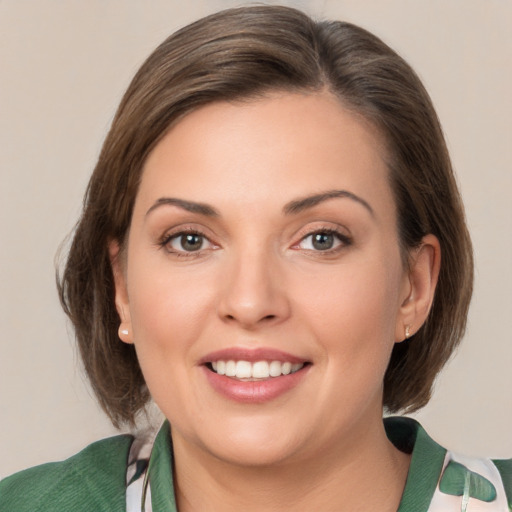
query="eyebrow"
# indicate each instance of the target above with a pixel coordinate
(293, 207)
(299, 205)
(190, 206)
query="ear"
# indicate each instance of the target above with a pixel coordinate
(121, 295)
(419, 287)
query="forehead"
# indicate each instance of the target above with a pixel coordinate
(280, 146)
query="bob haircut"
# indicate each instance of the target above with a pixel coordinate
(242, 54)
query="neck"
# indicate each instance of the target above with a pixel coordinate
(365, 472)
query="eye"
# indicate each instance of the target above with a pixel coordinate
(187, 242)
(324, 240)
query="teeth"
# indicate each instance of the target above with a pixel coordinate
(275, 368)
(231, 369)
(243, 370)
(258, 370)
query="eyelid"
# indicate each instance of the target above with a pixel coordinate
(344, 238)
(173, 233)
(178, 238)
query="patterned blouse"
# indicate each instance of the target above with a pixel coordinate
(125, 474)
(438, 480)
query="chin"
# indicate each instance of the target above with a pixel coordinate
(255, 454)
(256, 445)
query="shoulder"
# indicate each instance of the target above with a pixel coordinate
(94, 479)
(505, 469)
(440, 480)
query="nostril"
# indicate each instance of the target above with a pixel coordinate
(250, 322)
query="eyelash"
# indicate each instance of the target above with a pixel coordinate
(164, 243)
(344, 240)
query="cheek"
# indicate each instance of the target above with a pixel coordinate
(168, 309)
(353, 308)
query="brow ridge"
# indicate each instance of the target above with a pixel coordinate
(190, 206)
(293, 207)
(299, 205)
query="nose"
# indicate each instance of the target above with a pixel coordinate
(254, 292)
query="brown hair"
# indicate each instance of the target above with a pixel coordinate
(245, 52)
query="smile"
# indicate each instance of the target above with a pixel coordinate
(246, 370)
(255, 376)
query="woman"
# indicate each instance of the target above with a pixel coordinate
(273, 248)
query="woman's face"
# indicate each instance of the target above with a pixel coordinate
(263, 244)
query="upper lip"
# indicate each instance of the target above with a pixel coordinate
(251, 354)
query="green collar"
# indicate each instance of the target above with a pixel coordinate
(405, 433)
(426, 462)
(160, 474)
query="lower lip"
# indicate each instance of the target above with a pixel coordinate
(254, 391)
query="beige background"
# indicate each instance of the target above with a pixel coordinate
(64, 65)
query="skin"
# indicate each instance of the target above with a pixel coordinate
(258, 281)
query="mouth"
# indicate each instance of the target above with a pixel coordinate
(248, 375)
(248, 371)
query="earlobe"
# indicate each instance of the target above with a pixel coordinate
(121, 293)
(124, 333)
(424, 265)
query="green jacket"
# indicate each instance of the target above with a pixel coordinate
(95, 478)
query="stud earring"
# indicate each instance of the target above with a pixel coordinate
(123, 332)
